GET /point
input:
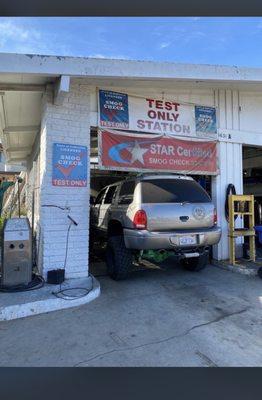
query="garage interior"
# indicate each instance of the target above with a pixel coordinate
(252, 184)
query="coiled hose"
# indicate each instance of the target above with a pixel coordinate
(230, 190)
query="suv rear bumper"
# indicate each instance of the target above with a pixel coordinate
(146, 240)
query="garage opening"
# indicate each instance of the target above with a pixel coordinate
(252, 184)
(100, 201)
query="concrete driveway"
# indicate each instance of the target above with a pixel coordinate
(156, 318)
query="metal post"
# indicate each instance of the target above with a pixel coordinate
(32, 227)
(18, 195)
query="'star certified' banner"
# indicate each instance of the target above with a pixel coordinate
(122, 151)
(152, 115)
(69, 165)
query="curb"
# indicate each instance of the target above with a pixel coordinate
(243, 270)
(29, 304)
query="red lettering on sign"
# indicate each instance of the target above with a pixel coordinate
(163, 105)
(152, 114)
(150, 101)
(159, 104)
(141, 124)
(168, 105)
(176, 105)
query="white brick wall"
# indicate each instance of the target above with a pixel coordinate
(64, 124)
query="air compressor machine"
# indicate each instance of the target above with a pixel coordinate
(16, 268)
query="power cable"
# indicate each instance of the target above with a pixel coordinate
(65, 293)
(36, 283)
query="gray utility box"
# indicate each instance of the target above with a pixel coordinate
(16, 252)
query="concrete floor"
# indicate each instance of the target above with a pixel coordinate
(156, 318)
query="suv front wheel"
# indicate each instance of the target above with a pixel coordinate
(118, 258)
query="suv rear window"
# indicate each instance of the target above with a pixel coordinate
(173, 191)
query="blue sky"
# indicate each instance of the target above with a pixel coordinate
(227, 41)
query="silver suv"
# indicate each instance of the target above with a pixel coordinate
(149, 215)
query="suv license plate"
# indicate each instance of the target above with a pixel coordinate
(187, 240)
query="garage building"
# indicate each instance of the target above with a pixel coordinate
(49, 111)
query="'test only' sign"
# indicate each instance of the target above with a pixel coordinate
(123, 111)
(69, 165)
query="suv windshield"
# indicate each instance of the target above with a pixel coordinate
(173, 191)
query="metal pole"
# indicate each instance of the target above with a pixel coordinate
(18, 194)
(32, 227)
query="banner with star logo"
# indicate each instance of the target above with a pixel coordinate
(141, 152)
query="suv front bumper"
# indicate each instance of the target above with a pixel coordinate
(146, 240)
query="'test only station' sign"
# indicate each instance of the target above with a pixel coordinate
(127, 112)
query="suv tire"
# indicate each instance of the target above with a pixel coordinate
(196, 263)
(118, 258)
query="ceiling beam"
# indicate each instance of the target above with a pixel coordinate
(16, 159)
(62, 88)
(18, 149)
(22, 129)
(17, 87)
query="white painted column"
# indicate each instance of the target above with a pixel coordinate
(230, 163)
(64, 123)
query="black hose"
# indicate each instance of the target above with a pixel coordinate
(36, 283)
(230, 190)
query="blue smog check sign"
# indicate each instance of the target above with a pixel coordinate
(69, 165)
(205, 119)
(113, 108)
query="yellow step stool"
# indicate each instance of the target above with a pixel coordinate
(245, 208)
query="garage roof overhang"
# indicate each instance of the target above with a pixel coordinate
(24, 79)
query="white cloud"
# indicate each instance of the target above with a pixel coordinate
(15, 38)
(163, 45)
(9, 30)
(96, 56)
(111, 56)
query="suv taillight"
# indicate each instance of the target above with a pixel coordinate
(140, 220)
(215, 217)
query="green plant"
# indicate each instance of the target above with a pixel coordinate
(2, 221)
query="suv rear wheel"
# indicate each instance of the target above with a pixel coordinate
(118, 258)
(196, 263)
